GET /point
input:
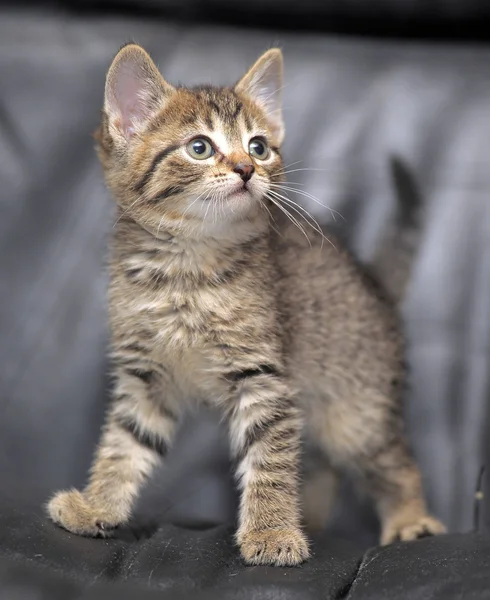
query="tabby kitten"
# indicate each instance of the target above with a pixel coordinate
(216, 297)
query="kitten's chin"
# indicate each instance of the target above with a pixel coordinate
(239, 206)
(242, 199)
(236, 205)
(241, 193)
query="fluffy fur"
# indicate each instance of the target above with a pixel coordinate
(217, 297)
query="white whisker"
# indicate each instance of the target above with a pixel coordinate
(181, 222)
(159, 225)
(125, 211)
(297, 208)
(303, 212)
(296, 162)
(283, 172)
(293, 220)
(285, 187)
(264, 206)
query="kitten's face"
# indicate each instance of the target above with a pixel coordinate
(199, 158)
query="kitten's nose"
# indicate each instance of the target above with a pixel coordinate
(245, 170)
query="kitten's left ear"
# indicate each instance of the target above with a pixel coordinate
(263, 83)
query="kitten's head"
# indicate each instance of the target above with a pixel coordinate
(199, 159)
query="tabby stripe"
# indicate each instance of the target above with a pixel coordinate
(246, 373)
(154, 251)
(157, 278)
(134, 347)
(154, 164)
(248, 123)
(237, 110)
(145, 438)
(224, 277)
(263, 487)
(187, 179)
(214, 106)
(276, 467)
(272, 476)
(145, 376)
(243, 349)
(209, 122)
(168, 413)
(258, 431)
(281, 438)
(187, 120)
(167, 192)
(134, 272)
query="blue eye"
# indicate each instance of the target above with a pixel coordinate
(200, 148)
(258, 148)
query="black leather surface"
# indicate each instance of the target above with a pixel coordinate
(354, 110)
(450, 567)
(38, 560)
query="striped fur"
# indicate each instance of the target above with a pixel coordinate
(216, 297)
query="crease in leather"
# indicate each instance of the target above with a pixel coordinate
(345, 592)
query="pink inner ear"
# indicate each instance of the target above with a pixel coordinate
(130, 97)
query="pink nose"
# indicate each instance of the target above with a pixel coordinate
(245, 170)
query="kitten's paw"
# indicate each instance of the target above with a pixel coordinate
(278, 547)
(71, 511)
(425, 526)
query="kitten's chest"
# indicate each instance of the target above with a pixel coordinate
(193, 318)
(190, 335)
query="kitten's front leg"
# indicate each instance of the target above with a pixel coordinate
(137, 434)
(265, 429)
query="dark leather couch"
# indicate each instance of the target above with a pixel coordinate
(391, 107)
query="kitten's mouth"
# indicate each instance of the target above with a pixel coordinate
(239, 190)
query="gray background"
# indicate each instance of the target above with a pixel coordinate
(351, 108)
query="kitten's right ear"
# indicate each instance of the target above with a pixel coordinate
(134, 92)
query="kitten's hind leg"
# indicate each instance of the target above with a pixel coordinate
(319, 490)
(394, 481)
(365, 435)
(136, 436)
